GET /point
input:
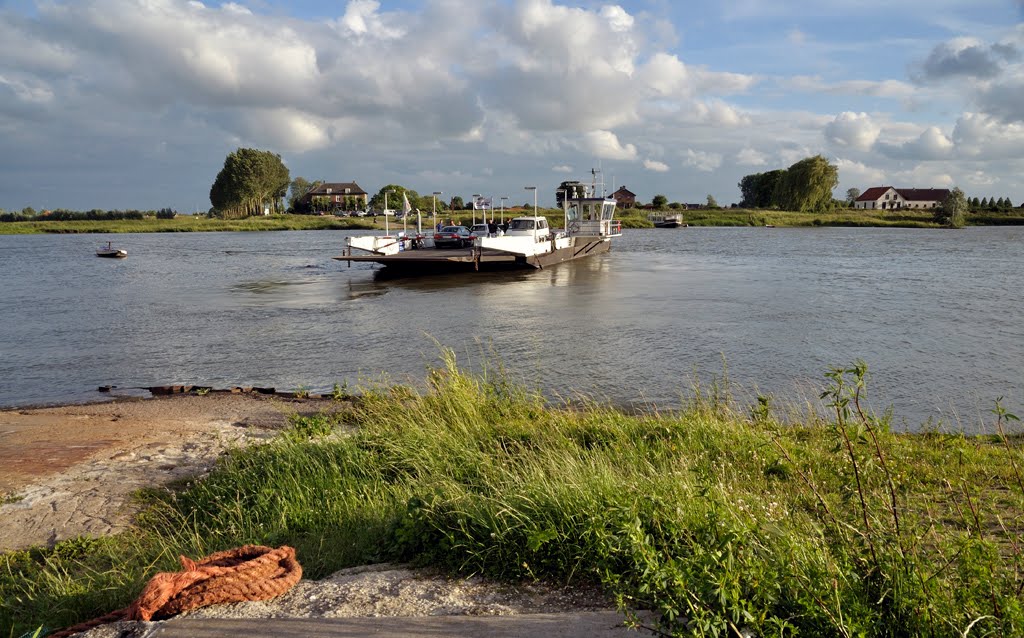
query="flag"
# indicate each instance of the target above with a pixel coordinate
(482, 203)
(406, 208)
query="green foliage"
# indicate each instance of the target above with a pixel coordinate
(394, 198)
(166, 213)
(758, 190)
(296, 190)
(807, 186)
(456, 203)
(659, 202)
(712, 202)
(249, 181)
(851, 195)
(951, 211)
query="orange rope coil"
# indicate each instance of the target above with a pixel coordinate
(252, 572)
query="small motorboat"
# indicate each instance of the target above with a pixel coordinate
(108, 250)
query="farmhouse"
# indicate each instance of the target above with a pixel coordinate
(888, 197)
(624, 197)
(344, 195)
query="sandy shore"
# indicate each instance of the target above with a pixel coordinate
(71, 470)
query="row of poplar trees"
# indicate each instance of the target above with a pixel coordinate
(805, 187)
(250, 182)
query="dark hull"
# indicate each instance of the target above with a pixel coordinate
(430, 260)
(667, 224)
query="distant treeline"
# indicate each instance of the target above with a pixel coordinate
(62, 215)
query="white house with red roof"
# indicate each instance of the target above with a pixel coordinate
(886, 197)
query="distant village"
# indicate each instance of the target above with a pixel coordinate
(349, 196)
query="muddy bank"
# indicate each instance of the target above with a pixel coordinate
(71, 470)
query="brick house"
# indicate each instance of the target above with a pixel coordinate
(624, 197)
(344, 195)
(887, 197)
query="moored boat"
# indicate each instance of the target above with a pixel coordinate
(108, 250)
(667, 221)
(529, 241)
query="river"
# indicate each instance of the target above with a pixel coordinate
(936, 314)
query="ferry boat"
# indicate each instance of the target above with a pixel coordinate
(589, 227)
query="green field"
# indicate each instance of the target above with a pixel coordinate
(721, 517)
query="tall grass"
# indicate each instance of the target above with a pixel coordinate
(718, 517)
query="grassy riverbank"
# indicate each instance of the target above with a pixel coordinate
(630, 218)
(719, 517)
(186, 224)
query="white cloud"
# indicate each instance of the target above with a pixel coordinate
(720, 114)
(977, 135)
(361, 18)
(702, 161)
(656, 166)
(853, 174)
(932, 145)
(854, 130)
(894, 89)
(606, 145)
(750, 157)
(562, 168)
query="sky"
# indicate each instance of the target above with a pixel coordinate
(134, 104)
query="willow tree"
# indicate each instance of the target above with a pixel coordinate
(952, 209)
(250, 181)
(807, 185)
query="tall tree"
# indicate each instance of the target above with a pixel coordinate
(758, 190)
(250, 181)
(952, 209)
(299, 187)
(851, 195)
(807, 185)
(659, 202)
(712, 202)
(394, 197)
(456, 203)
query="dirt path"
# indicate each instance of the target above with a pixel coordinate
(71, 470)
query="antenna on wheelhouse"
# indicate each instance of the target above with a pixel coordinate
(594, 172)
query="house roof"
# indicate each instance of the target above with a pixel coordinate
(337, 188)
(873, 193)
(923, 194)
(909, 194)
(624, 191)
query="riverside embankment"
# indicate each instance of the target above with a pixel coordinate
(717, 517)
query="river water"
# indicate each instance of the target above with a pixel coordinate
(936, 314)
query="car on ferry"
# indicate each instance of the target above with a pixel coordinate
(479, 230)
(453, 237)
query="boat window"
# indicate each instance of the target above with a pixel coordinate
(521, 224)
(609, 211)
(573, 212)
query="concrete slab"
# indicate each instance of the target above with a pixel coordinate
(601, 624)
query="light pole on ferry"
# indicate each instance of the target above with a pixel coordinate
(386, 232)
(565, 209)
(503, 208)
(475, 196)
(534, 189)
(436, 193)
